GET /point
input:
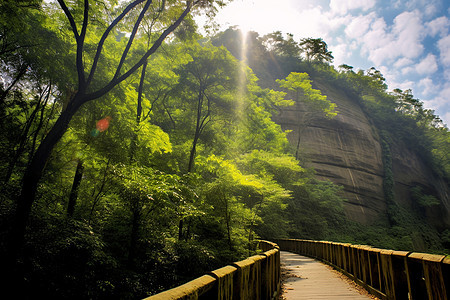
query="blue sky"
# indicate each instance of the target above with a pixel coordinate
(408, 41)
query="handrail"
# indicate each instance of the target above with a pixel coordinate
(385, 273)
(257, 277)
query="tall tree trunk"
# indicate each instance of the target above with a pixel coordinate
(134, 139)
(198, 130)
(31, 179)
(192, 154)
(74, 191)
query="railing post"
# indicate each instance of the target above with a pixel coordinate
(425, 276)
(345, 257)
(377, 270)
(446, 274)
(224, 287)
(364, 263)
(354, 261)
(400, 281)
(387, 273)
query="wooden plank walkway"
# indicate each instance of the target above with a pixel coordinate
(307, 278)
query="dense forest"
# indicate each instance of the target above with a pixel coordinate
(137, 154)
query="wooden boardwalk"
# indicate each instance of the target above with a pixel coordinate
(307, 278)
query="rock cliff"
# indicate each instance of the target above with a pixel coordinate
(347, 151)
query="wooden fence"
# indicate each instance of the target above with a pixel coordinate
(257, 277)
(387, 274)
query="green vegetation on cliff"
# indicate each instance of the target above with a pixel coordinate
(399, 121)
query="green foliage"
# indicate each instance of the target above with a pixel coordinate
(422, 199)
(282, 168)
(388, 181)
(316, 210)
(300, 85)
(275, 43)
(315, 50)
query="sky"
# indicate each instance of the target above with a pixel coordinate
(408, 41)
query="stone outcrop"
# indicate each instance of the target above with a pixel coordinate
(347, 151)
(411, 171)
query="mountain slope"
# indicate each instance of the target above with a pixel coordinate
(387, 181)
(347, 151)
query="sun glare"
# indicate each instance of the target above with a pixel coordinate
(242, 15)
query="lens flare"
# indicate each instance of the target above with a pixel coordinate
(94, 132)
(101, 126)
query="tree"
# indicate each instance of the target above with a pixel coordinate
(207, 83)
(299, 86)
(89, 87)
(255, 128)
(315, 50)
(275, 43)
(345, 68)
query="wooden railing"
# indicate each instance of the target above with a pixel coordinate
(257, 277)
(387, 274)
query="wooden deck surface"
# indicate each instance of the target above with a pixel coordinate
(307, 278)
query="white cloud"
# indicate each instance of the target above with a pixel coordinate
(408, 33)
(445, 94)
(343, 6)
(428, 65)
(340, 53)
(444, 48)
(447, 74)
(252, 15)
(407, 70)
(359, 25)
(430, 10)
(265, 17)
(383, 43)
(446, 118)
(376, 42)
(428, 7)
(439, 26)
(428, 86)
(441, 104)
(402, 62)
(392, 80)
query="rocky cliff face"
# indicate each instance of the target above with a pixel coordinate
(411, 171)
(347, 151)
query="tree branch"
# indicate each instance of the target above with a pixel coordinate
(70, 18)
(208, 113)
(22, 71)
(80, 44)
(105, 35)
(130, 41)
(79, 38)
(152, 50)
